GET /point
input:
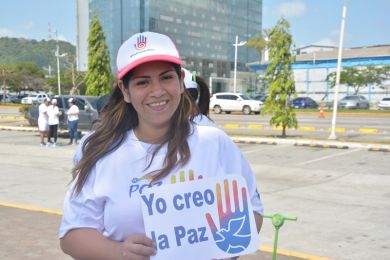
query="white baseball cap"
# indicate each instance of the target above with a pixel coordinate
(144, 47)
(188, 81)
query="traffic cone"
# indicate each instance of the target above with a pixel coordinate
(321, 115)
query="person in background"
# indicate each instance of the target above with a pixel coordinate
(145, 136)
(200, 94)
(54, 119)
(43, 126)
(73, 120)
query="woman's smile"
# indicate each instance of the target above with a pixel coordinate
(158, 105)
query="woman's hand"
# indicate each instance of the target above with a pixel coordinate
(138, 247)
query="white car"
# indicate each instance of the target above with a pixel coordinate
(384, 103)
(34, 99)
(234, 102)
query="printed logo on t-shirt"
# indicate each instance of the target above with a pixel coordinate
(182, 177)
(139, 184)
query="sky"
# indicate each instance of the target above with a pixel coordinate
(312, 21)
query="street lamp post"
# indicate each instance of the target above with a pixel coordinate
(338, 72)
(242, 43)
(58, 55)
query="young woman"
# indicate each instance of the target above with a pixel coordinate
(53, 113)
(145, 136)
(200, 94)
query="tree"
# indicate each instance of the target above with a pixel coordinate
(98, 76)
(358, 78)
(259, 44)
(280, 78)
(22, 76)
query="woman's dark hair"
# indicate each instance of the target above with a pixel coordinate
(118, 118)
(204, 96)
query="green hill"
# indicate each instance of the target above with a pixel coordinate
(17, 50)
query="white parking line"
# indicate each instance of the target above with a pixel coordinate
(328, 156)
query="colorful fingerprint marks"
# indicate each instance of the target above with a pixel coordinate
(233, 234)
(212, 216)
(182, 177)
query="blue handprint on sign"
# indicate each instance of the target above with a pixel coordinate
(234, 233)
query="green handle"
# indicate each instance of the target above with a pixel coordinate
(278, 221)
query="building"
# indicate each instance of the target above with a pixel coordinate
(204, 31)
(312, 67)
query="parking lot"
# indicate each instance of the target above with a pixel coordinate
(340, 196)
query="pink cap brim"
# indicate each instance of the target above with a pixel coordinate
(146, 59)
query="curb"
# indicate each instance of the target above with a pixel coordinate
(254, 142)
(372, 131)
(13, 117)
(322, 145)
(261, 140)
(310, 143)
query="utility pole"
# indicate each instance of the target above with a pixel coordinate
(58, 55)
(338, 72)
(242, 43)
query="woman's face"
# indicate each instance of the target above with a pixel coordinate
(154, 91)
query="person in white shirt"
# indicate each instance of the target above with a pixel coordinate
(43, 126)
(145, 137)
(53, 119)
(200, 94)
(73, 120)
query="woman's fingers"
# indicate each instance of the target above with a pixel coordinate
(138, 247)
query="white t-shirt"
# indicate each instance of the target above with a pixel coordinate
(42, 118)
(73, 113)
(203, 120)
(42, 112)
(110, 200)
(53, 114)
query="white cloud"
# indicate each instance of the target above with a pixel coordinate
(333, 38)
(28, 25)
(326, 42)
(4, 32)
(63, 38)
(291, 9)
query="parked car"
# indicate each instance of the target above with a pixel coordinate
(228, 102)
(384, 103)
(8, 98)
(34, 99)
(261, 98)
(304, 102)
(87, 106)
(356, 102)
(20, 97)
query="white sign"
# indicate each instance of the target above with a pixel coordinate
(201, 219)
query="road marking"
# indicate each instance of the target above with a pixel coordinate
(255, 126)
(337, 130)
(327, 157)
(31, 208)
(368, 131)
(293, 253)
(307, 128)
(231, 126)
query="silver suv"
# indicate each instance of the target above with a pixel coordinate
(234, 102)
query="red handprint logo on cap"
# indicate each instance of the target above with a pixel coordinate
(141, 42)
